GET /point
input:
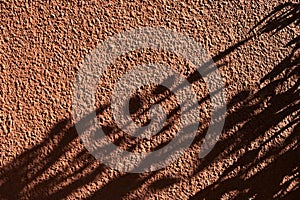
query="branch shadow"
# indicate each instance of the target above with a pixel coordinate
(268, 168)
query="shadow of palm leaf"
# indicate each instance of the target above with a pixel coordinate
(259, 172)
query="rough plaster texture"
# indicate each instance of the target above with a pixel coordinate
(42, 44)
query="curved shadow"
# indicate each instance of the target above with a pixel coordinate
(259, 172)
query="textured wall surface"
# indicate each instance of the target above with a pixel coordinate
(255, 45)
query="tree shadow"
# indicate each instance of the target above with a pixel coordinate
(267, 134)
(270, 146)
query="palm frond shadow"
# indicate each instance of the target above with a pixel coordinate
(259, 172)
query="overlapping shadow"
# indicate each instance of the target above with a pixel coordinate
(267, 134)
(261, 170)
